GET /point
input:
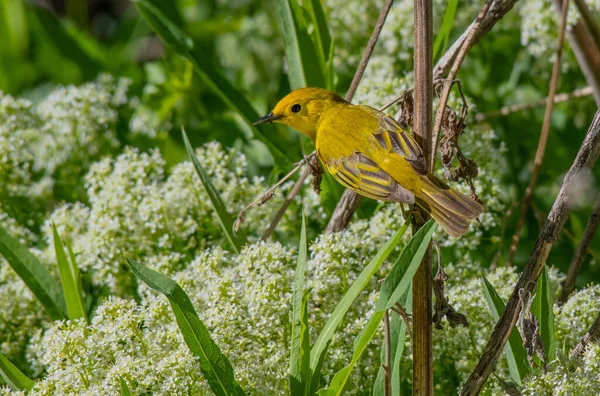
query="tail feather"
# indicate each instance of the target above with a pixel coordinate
(452, 210)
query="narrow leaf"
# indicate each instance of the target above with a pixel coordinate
(319, 349)
(35, 275)
(214, 365)
(13, 376)
(542, 309)
(69, 277)
(303, 63)
(124, 388)
(300, 349)
(395, 286)
(322, 39)
(237, 240)
(441, 41)
(209, 72)
(514, 351)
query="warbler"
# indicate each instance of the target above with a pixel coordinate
(370, 153)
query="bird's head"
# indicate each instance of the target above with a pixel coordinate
(302, 109)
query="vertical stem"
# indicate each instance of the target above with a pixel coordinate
(387, 387)
(422, 281)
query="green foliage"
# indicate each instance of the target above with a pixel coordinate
(394, 287)
(542, 308)
(69, 278)
(236, 240)
(214, 365)
(514, 351)
(13, 376)
(35, 275)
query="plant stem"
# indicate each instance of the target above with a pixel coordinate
(422, 281)
(582, 250)
(387, 387)
(584, 162)
(541, 149)
(593, 334)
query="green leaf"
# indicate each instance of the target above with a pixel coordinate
(237, 240)
(69, 277)
(303, 62)
(542, 309)
(214, 365)
(322, 39)
(13, 376)
(514, 351)
(319, 349)
(13, 26)
(124, 388)
(441, 41)
(395, 286)
(35, 275)
(300, 349)
(209, 72)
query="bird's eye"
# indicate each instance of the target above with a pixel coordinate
(296, 108)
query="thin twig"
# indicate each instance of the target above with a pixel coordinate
(288, 200)
(388, 356)
(499, 8)
(585, 160)
(592, 335)
(541, 149)
(586, 50)
(270, 192)
(399, 309)
(558, 98)
(369, 50)
(582, 250)
(422, 282)
(449, 81)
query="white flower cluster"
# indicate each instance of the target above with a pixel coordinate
(49, 145)
(136, 210)
(540, 23)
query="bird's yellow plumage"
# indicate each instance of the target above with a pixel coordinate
(368, 152)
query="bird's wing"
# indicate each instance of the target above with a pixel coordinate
(365, 177)
(392, 138)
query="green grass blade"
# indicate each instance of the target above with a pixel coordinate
(542, 309)
(441, 41)
(514, 351)
(300, 349)
(395, 286)
(34, 274)
(237, 240)
(319, 349)
(13, 26)
(214, 365)
(69, 277)
(209, 72)
(304, 64)
(13, 376)
(124, 388)
(322, 39)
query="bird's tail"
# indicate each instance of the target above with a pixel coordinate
(452, 210)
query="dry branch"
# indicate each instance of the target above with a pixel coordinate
(541, 149)
(558, 98)
(422, 282)
(449, 81)
(582, 250)
(592, 335)
(586, 157)
(350, 200)
(587, 51)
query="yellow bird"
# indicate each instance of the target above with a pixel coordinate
(369, 152)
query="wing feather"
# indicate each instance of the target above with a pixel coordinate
(365, 177)
(392, 138)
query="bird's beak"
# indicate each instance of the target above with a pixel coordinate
(268, 118)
